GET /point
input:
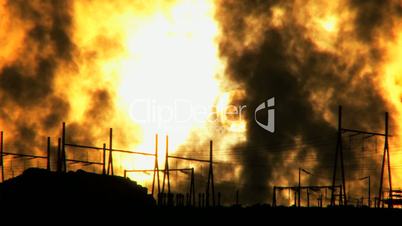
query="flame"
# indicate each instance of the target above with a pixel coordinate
(130, 60)
(391, 86)
(161, 58)
(172, 59)
(330, 24)
(12, 39)
(157, 66)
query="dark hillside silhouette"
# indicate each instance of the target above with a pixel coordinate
(39, 187)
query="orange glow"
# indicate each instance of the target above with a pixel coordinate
(154, 55)
(391, 85)
(330, 24)
(159, 52)
(158, 67)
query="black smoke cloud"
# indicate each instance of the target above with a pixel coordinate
(31, 106)
(284, 63)
(374, 16)
(40, 81)
(275, 69)
(26, 84)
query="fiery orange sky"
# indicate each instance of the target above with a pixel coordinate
(184, 68)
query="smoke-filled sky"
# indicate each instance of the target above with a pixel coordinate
(147, 67)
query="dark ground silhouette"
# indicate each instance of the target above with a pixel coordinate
(40, 196)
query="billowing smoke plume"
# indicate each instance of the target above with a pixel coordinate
(27, 91)
(43, 83)
(84, 62)
(311, 56)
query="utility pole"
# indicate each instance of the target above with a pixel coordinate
(298, 190)
(59, 157)
(192, 187)
(166, 174)
(104, 159)
(110, 163)
(156, 167)
(48, 154)
(1, 155)
(63, 149)
(369, 192)
(339, 151)
(386, 154)
(299, 186)
(210, 177)
(167, 163)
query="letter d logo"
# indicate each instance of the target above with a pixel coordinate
(270, 103)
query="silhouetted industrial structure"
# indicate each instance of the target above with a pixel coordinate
(190, 195)
(339, 152)
(297, 193)
(107, 164)
(207, 199)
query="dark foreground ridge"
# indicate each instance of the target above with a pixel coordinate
(40, 187)
(40, 196)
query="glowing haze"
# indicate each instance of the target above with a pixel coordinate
(163, 59)
(141, 67)
(174, 67)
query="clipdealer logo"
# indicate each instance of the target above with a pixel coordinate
(181, 112)
(269, 105)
